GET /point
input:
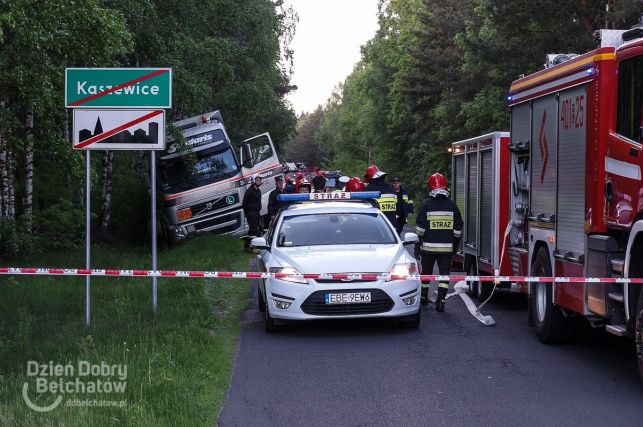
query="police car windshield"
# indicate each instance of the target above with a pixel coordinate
(210, 166)
(335, 229)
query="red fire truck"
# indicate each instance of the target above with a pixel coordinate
(564, 191)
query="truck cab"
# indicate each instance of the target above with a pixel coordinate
(201, 183)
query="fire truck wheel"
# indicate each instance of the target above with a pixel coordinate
(638, 338)
(484, 290)
(551, 325)
(473, 286)
(480, 289)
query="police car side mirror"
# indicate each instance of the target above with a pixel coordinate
(410, 238)
(259, 243)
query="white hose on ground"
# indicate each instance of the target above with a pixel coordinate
(462, 287)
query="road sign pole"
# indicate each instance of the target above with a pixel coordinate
(119, 109)
(87, 239)
(154, 264)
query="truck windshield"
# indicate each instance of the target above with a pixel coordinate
(211, 166)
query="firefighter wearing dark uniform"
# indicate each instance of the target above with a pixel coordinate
(439, 225)
(387, 202)
(251, 208)
(404, 204)
(273, 203)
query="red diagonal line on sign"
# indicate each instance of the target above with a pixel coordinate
(544, 152)
(119, 87)
(105, 135)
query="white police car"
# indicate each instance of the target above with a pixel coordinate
(340, 236)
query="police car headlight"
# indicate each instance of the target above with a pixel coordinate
(410, 300)
(282, 305)
(289, 274)
(402, 271)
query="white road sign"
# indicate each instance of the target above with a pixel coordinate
(119, 129)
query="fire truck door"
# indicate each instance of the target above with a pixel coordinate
(542, 206)
(572, 133)
(519, 187)
(486, 205)
(471, 227)
(543, 161)
(458, 185)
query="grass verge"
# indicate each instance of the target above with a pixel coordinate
(179, 362)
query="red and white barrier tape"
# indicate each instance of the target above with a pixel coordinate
(256, 275)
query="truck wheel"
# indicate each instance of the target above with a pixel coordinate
(480, 289)
(484, 290)
(166, 235)
(551, 326)
(261, 301)
(638, 337)
(473, 286)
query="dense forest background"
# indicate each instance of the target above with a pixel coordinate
(435, 72)
(438, 71)
(230, 55)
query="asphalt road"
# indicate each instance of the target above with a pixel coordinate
(452, 371)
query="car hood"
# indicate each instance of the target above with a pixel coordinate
(340, 259)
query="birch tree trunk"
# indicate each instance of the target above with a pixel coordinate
(81, 193)
(3, 176)
(11, 197)
(106, 192)
(28, 199)
(4, 185)
(66, 136)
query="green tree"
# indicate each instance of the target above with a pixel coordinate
(37, 41)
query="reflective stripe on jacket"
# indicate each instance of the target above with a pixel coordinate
(387, 202)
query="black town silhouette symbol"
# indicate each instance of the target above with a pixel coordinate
(124, 137)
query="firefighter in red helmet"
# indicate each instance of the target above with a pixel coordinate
(354, 185)
(299, 177)
(439, 225)
(387, 202)
(304, 186)
(370, 172)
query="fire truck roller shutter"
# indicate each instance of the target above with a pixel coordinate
(572, 130)
(458, 185)
(472, 198)
(543, 157)
(486, 203)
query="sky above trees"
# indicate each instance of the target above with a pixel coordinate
(327, 46)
